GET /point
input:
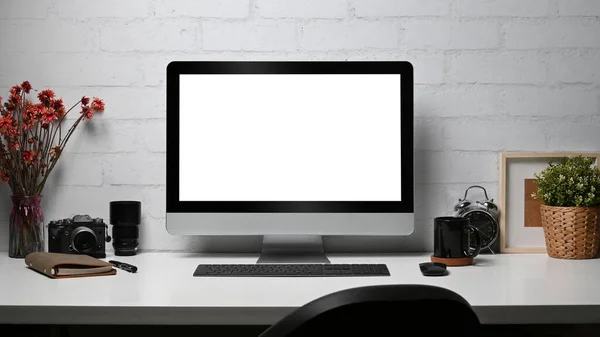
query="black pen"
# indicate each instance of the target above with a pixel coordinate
(125, 266)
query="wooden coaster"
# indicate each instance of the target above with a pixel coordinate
(463, 261)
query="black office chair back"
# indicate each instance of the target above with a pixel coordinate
(385, 310)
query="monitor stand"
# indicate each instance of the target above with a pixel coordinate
(292, 249)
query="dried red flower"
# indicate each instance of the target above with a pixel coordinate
(27, 129)
(49, 115)
(8, 126)
(61, 113)
(28, 109)
(46, 96)
(58, 104)
(29, 156)
(15, 90)
(38, 111)
(97, 105)
(31, 115)
(14, 101)
(87, 112)
(55, 151)
(26, 86)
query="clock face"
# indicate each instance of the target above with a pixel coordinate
(487, 226)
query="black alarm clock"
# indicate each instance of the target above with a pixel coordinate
(483, 215)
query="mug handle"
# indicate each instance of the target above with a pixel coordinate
(477, 248)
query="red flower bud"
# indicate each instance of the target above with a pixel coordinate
(55, 151)
(26, 86)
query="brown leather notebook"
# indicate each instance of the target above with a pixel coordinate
(56, 265)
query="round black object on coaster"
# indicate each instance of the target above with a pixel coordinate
(125, 217)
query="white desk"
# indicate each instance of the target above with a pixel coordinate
(503, 289)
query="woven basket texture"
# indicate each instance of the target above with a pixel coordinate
(571, 232)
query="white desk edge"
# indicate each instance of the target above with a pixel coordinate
(503, 289)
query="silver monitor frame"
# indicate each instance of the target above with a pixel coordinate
(291, 227)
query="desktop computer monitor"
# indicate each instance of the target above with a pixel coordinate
(291, 151)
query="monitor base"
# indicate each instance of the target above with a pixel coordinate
(292, 249)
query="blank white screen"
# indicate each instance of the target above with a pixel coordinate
(289, 137)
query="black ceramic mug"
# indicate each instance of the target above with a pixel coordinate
(453, 238)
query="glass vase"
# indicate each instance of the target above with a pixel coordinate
(26, 228)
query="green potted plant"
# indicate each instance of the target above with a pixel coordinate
(570, 195)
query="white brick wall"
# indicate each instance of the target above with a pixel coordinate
(491, 75)
(573, 68)
(578, 8)
(25, 9)
(561, 33)
(17, 37)
(223, 9)
(350, 35)
(504, 8)
(77, 9)
(440, 34)
(551, 102)
(249, 36)
(498, 67)
(407, 8)
(165, 36)
(307, 9)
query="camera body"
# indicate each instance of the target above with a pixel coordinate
(80, 234)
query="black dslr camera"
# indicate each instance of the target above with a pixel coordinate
(78, 235)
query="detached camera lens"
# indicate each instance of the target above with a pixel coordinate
(125, 217)
(83, 240)
(125, 240)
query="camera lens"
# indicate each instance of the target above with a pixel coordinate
(83, 240)
(125, 218)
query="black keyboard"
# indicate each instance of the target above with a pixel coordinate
(279, 270)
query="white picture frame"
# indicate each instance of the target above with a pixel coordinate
(514, 167)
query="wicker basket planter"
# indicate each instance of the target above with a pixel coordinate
(571, 232)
